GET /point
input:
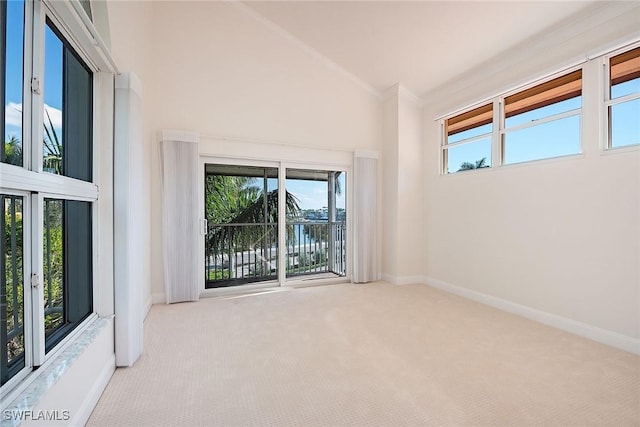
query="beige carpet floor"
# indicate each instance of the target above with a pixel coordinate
(365, 355)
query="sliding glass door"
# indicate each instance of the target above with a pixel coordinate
(247, 242)
(316, 238)
(241, 211)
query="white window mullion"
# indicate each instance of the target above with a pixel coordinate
(34, 86)
(496, 135)
(27, 99)
(36, 280)
(282, 224)
(56, 185)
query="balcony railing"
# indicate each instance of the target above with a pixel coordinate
(246, 253)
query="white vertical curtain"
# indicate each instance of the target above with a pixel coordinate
(129, 231)
(366, 219)
(179, 151)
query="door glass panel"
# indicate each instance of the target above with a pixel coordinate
(316, 227)
(241, 207)
(12, 290)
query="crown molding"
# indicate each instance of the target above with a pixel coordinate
(402, 92)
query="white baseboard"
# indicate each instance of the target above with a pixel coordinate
(402, 280)
(603, 336)
(91, 399)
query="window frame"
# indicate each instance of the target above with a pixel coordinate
(27, 247)
(502, 118)
(34, 185)
(499, 122)
(445, 146)
(608, 102)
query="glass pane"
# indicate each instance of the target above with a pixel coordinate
(474, 155)
(86, 5)
(341, 196)
(12, 289)
(626, 88)
(551, 139)
(11, 122)
(477, 131)
(540, 113)
(52, 155)
(623, 73)
(316, 238)
(68, 274)
(68, 98)
(53, 259)
(241, 207)
(625, 123)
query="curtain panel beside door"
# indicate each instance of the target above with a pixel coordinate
(365, 219)
(179, 151)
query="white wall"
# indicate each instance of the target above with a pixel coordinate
(220, 72)
(130, 32)
(560, 236)
(402, 182)
(389, 194)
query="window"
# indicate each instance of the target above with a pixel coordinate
(67, 278)
(46, 246)
(543, 121)
(467, 144)
(12, 19)
(540, 122)
(12, 325)
(623, 99)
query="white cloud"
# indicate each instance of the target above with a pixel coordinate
(13, 115)
(56, 116)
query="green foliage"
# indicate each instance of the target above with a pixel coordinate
(479, 164)
(317, 232)
(53, 265)
(313, 259)
(52, 160)
(13, 259)
(227, 196)
(13, 151)
(237, 200)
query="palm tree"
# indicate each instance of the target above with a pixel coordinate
(52, 160)
(479, 164)
(13, 151)
(237, 200)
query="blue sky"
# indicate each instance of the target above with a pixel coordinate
(14, 72)
(314, 194)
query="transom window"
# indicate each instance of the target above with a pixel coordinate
(543, 121)
(539, 122)
(623, 99)
(468, 140)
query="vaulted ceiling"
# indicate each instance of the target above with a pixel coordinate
(420, 44)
